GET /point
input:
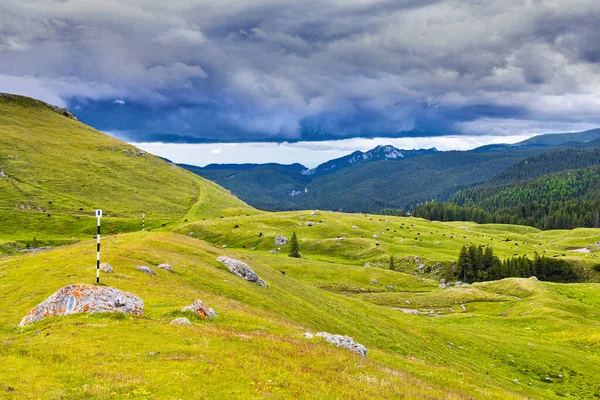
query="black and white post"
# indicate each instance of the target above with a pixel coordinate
(98, 216)
(143, 222)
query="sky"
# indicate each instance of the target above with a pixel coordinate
(168, 73)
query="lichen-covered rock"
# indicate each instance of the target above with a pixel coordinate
(81, 298)
(241, 269)
(146, 270)
(282, 240)
(106, 267)
(166, 267)
(181, 322)
(198, 308)
(345, 342)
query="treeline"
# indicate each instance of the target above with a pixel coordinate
(556, 215)
(565, 200)
(479, 264)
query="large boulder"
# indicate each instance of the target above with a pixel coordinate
(241, 269)
(81, 298)
(282, 240)
(198, 308)
(345, 342)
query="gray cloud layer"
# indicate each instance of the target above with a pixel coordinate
(301, 69)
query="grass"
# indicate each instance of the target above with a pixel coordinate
(514, 338)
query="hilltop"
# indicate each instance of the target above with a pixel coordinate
(56, 171)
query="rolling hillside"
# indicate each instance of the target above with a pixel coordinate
(57, 171)
(510, 339)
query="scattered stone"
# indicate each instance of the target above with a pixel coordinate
(79, 298)
(191, 234)
(106, 267)
(463, 307)
(421, 267)
(198, 308)
(438, 242)
(442, 286)
(281, 240)
(146, 270)
(516, 381)
(389, 287)
(408, 311)
(241, 269)
(354, 227)
(375, 236)
(166, 267)
(345, 342)
(181, 322)
(273, 251)
(561, 376)
(313, 213)
(2, 174)
(374, 281)
(461, 284)
(310, 223)
(308, 335)
(548, 379)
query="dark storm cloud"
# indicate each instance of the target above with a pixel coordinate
(275, 70)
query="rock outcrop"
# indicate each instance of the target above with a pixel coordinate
(74, 299)
(281, 240)
(198, 308)
(345, 342)
(241, 269)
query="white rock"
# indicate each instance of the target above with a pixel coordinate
(181, 322)
(146, 270)
(281, 240)
(375, 236)
(106, 267)
(166, 267)
(307, 335)
(241, 269)
(345, 342)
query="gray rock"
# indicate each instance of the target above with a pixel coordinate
(146, 270)
(375, 236)
(198, 307)
(274, 251)
(191, 234)
(79, 298)
(533, 278)
(106, 267)
(181, 322)
(461, 284)
(310, 223)
(281, 240)
(166, 267)
(241, 269)
(345, 342)
(2, 174)
(389, 287)
(307, 335)
(354, 227)
(442, 286)
(421, 266)
(374, 281)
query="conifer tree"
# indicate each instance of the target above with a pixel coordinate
(294, 247)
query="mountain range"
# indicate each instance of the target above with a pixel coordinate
(384, 177)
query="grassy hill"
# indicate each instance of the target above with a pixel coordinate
(508, 339)
(57, 171)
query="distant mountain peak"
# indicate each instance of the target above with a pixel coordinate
(379, 153)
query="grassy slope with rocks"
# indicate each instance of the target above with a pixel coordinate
(515, 338)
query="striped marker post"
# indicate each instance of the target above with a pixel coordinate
(143, 222)
(98, 216)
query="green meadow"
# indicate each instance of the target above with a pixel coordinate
(508, 339)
